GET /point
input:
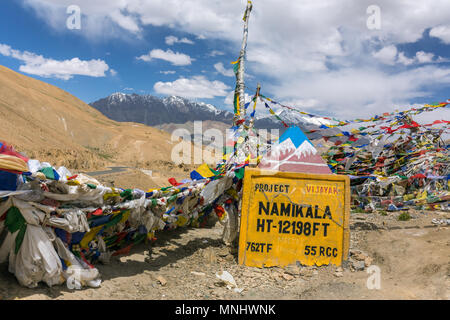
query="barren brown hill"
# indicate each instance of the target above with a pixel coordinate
(52, 125)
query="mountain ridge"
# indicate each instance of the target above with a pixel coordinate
(153, 111)
(173, 111)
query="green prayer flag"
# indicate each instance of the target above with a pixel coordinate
(14, 220)
(240, 173)
(48, 172)
(127, 194)
(114, 220)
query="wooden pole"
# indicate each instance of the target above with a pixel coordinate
(258, 89)
(239, 92)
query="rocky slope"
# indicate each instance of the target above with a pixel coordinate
(51, 125)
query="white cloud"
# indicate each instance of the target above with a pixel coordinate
(216, 53)
(101, 19)
(441, 32)
(113, 72)
(289, 45)
(441, 60)
(195, 87)
(176, 58)
(405, 60)
(128, 23)
(387, 55)
(359, 92)
(5, 50)
(49, 68)
(421, 57)
(424, 57)
(302, 103)
(171, 40)
(168, 72)
(219, 19)
(221, 69)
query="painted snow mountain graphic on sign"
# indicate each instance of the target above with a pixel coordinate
(287, 146)
(294, 153)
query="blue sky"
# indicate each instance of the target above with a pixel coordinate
(319, 56)
(22, 30)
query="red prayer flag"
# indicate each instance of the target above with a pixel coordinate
(125, 250)
(174, 182)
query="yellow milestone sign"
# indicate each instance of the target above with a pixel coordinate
(288, 217)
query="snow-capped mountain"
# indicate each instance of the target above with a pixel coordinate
(294, 153)
(288, 147)
(295, 118)
(293, 142)
(153, 111)
(306, 149)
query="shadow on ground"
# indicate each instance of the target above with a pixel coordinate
(11, 289)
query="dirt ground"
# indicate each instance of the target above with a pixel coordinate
(155, 178)
(413, 257)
